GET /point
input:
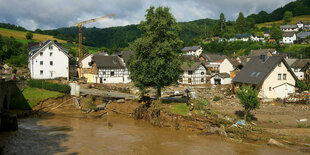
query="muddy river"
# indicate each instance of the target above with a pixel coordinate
(74, 134)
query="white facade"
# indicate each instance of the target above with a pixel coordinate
(278, 83)
(290, 29)
(219, 80)
(111, 75)
(85, 62)
(194, 53)
(256, 38)
(289, 40)
(199, 76)
(49, 62)
(226, 67)
(299, 74)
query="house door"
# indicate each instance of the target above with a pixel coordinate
(217, 81)
(51, 74)
(101, 80)
(189, 80)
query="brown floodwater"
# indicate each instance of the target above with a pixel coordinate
(74, 134)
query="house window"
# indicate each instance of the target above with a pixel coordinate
(190, 72)
(269, 88)
(41, 53)
(50, 47)
(279, 76)
(51, 63)
(41, 72)
(202, 73)
(181, 80)
(295, 70)
(189, 80)
(41, 62)
(112, 73)
(279, 65)
(202, 80)
(51, 53)
(284, 76)
(103, 73)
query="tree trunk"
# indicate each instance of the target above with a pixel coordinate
(158, 95)
(245, 114)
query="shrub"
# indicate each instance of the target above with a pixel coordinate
(302, 85)
(216, 98)
(49, 86)
(201, 104)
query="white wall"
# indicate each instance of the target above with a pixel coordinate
(226, 67)
(290, 29)
(298, 73)
(195, 77)
(289, 40)
(272, 81)
(60, 67)
(85, 62)
(195, 53)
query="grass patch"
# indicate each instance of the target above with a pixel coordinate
(22, 35)
(303, 126)
(180, 108)
(216, 98)
(280, 22)
(36, 95)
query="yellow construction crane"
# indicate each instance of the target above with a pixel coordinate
(80, 24)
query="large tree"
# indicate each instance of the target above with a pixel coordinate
(222, 22)
(156, 62)
(241, 23)
(276, 33)
(287, 17)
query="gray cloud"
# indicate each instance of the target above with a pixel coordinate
(49, 14)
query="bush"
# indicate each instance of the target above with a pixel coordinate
(216, 98)
(201, 104)
(49, 86)
(302, 85)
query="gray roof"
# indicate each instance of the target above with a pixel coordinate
(223, 75)
(210, 57)
(288, 34)
(108, 61)
(255, 71)
(300, 63)
(190, 66)
(254, 53)
(290, 61)
(303, 35)
(193, 48)
(35, 47)
(126, 55)
(190, 58)
(288, 26)
(246, 35)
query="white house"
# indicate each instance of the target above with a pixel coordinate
(220, 79)
(48, 60)
(195, 73)
(271, 76)
(304, 25)
(228, 65)
(85, 62)
(243, 37)
(194, 50)
(289, 37)
(289, 28)
(298, 66)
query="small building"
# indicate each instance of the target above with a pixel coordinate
(302, 37)
(289, 28)
(48, 60)
(299, 66)
(267, 34)
(259, 52)
(271, 76)
(220, 79)
(211, 57)
(228, 65)
(289, 37)
(194, 50)
(303, 25)
(244, 37)
(194, 73)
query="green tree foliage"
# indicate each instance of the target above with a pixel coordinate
(248, 98)
(287, 17)
(241, 24)
(29, 35)
(156, 62)
(276, 33)
(303, 85)
(222, 22)
(12, 51)
(12, 27)
(49, 86)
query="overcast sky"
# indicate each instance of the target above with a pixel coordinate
(50, 14)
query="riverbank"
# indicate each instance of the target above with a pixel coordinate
(213, 119)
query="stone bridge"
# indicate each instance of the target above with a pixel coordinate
(8, 90)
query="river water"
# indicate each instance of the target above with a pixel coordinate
(75, 134)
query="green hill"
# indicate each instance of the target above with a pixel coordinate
(280, 22)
